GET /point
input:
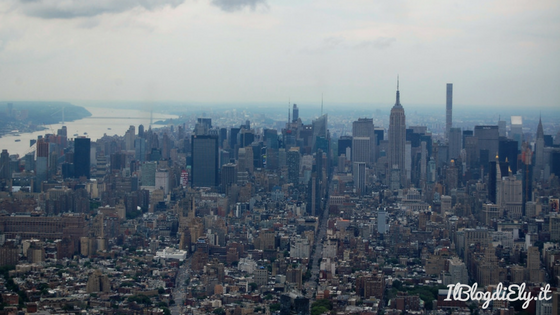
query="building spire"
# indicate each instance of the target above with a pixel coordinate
(540, 131)
(398, 102)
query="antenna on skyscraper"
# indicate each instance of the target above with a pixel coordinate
(397, 82)
(151, 117)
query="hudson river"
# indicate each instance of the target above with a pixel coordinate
(102, 121)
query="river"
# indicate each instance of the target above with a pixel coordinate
(103, 121)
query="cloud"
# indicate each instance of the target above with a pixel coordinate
(69, 9)
(236, 5)
(378, 43)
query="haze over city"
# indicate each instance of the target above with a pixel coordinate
(497, 53)
(259, 157)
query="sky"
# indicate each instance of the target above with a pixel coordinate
(495, 52)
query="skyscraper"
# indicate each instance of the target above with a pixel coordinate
(488, 143)
(539, 152)
(397, 139)
(516, 132)
(361, 150)
(507, 149)
(5, 165)
(359, 176)
(455, 142)
(343, 143)
(204, 160)
(293, 163)
(82, 149)
(449, 109)
(526, 177)
(364, 128)
(382, 227)
(129, 138)
(319, 130)
(295, 113)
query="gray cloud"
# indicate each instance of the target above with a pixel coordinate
(378, 43)
(236, 5)
(69, 9)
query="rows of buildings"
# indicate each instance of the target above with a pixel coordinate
(248, 219)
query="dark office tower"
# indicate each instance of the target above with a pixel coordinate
(258, 154)
(29, 159)
(539, 153)
(555, 162)
(364, 128)
(379, 135)
(222, 137)
(455, 143)
(206, 121)
(141, 131)
(508, 151)
(165, 147)
(526, 177)
(295, 113)
(548, 141)
(271, 138)
(118, 161)
(5, 165)
(466, 133)
(82, 149)
(343, 143)
(229, 176)
(292, 161)
(245, 137)
(233, 132)
(449, 109)
(140, 149)
(67, 170)
(397, 142)
(204, 161)
(272, 159)
(319, 130)
(488, 143)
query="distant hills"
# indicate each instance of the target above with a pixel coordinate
(39, 113)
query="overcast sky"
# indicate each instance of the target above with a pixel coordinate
(502, 52)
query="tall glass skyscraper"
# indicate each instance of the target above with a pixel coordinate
(204, 160)
(82, 149)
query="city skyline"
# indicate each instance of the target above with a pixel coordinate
(496, 54)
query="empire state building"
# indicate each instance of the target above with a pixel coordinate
(397, 139)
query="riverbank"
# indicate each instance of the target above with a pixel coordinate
(103, 121)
